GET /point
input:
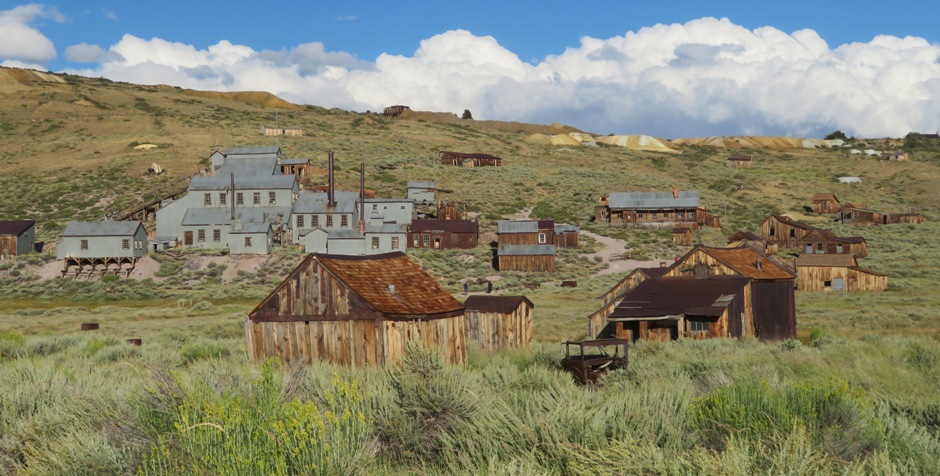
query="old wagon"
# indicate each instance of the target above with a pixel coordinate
(589, 359)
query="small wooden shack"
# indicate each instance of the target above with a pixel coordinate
(461, 159)
(740, 161)
(898, 156)
(355, 310)
(395, 111)
(912, 218)
(444, 234)
(682, 236)
(566, 236)
(298, 167)
(747, 238)
(17, 238)
(525, 232)
(826, 203)
(282, 131)
(499, 322)
(784, 231)
(836, 272)
(526, 258)
(597, 321)
(449, 210)
(820, 241)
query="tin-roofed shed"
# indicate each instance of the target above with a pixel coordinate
(526, 257)
(17, 238)
(355, 310)
(499, 322)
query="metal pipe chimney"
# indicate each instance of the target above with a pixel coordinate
(232, 198)
(330, 192)
(362, 198)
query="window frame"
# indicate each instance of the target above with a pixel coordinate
(207, 199)
(201, 235)
(125, 243)
(83, 245)
(272, 198)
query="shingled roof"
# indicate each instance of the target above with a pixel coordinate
(679, 296)
(744, 260)
(827, 260)
(488, 303)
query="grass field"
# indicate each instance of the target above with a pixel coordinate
(854, 394)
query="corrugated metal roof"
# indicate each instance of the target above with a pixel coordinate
(315, 202)
(744, 259)
(523, 226)
(526, 250)
(428, 185)
(566, 228)
(827, 260)
(223, 216)
(489, 303)
(415, 293)
(248, 166)
(15, 227)
(387, 200)
(448, 226)
(250, 228)
(101, 228)
(295, 161)
(260, 182)
(252, 150)
(676, 296)
(653, 200)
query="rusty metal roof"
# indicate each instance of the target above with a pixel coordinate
(392, 283)
(677, 296)
(744, 260)
(789, 221)
(15, 227)
(824, 196)
(827, 260)
(488, 303)
(448, 226)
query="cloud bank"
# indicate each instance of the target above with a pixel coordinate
(21, 43)
(704, 77)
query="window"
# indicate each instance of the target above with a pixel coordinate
(792, 233)
(300, 221)
(315, 221)
(773, 231)
(84, 244)
(402, 207)
(698, 326)
(138, 245)
(819, 248)
(344, 220)
(247, 242)
(394, 242)
(427, 240)
(216, 235)
(256, 198)
(201, 236)
(239, 198)
(207, 199)
(809, 248)
(329, 221)
(639, 215)
(375, 207)
(541, 238)
(414, 240)
(375, 242)
(272, 198)
(827, 284)
(839, 248)
(222, 198)
(125, 244)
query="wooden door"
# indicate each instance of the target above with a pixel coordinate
(188, 238)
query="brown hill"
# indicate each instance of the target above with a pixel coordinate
(753, 142)
(13, 77)
(507, 126)
(258, 98)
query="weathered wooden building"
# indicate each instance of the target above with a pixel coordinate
(826, 203)
(526, 257)
(281, 131)
(525, 232)
(740, 161)
(566, 236)
(461, 159)
(449, 210)
(682, 236)
(836, 272)
(597, 321)
(444, 234)
(99, 247)
(357, 311)
(912, 218)
(747, 238)
(784, 231)
(662, 209)
(17, 238)
(299, 168)
(862, 216)
(820, 241)
(499, 322)
(395, 111)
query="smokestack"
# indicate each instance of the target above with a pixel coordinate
(232, 198)
(675, 192)
(362, 198)
(330, 192)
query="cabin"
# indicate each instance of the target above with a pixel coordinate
(747, 238)
(566, 236)
(525, 232)
(826, 203)
(422, 193)
(99, 247)
(526, 258)
(498, 322)
(862, 216)
(355, 311)
(682, 236)
(836, 272)
(820, 241)
(395, 111)
(784, 231)
(449, 210)
(655, 209)
(17, 238)
(299, 168)
(912, 218)
(281, 131)
(444, 234)
(597, 321)
(899, 156)
(740, 161)
(766, 308)
(460, 159)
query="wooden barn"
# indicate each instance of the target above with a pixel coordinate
(747, 238)
(597, 321)
(682, 236)
(740, 161)
(819, 241)
(525, 232)
(784, 231)
(444, 234)
(526, 258)
(17, 237)
(826, 203)
(499, 322)
(566, 236)
(357, 311)
(654, 209)
(833, 272)
(862, 216)
(460, 159)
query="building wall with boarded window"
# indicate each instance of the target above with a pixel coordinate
(824, 278)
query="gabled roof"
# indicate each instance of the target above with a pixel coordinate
(251, 182)
(526, 250)
(101, 228)
(248, 166)
(524, 226)
(825, 196)
(447, 226)
(744, 260)
(680, 231)
(649, 200)
(650, 273)
(789, 221)
(463, 155)
(489, 303)
(415, 291)
(253, 150)
(680, 296)
(744, 235)
(15, 227)
(838, 260)
(316, 202)
(566, 228)
(295, 161)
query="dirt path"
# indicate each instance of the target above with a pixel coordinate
(613, 245)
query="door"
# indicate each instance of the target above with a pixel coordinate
(437, 243)
(838, 284)
(188, 238)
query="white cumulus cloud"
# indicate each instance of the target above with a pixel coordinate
(22, 43)
(704, 77)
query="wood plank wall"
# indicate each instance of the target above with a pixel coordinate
(527, 263)
(497, 331)
(813, 278)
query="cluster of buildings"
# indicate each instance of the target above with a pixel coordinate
(677, 209)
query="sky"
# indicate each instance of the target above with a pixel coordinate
(667, 68)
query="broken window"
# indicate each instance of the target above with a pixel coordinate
(698, 326)
(375, 242)
(125, 244)
(84, 244)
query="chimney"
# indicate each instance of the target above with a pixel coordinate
(759, 264)
(675, 192)
(232, 201)
(362, 198)
(391, 289)
(330, 193)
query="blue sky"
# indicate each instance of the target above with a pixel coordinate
(670, 68)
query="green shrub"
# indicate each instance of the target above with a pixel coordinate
(204, 349)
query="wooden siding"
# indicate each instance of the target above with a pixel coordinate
(826, 206)
(527, 263)
(525, 238)
(566, 240)
(443, 240)
(597, 322)
(497, 330)
(683, 238)
(814, 278)
(447, 211)
(863, 217)
(690, 217)
(816, 243)
(774, 310)
(7, 246)
(784, 234)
